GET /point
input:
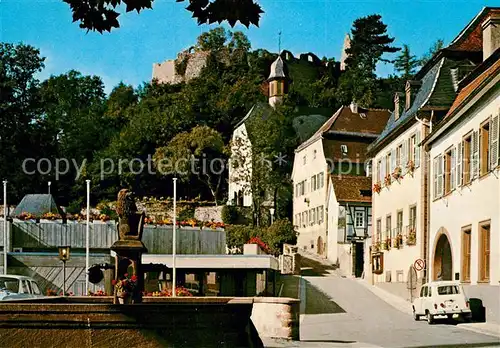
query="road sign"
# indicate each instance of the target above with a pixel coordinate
(419, 264)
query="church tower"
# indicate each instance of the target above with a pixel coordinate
(278, 81)
(343, 54)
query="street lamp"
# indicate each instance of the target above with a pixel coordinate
(272, 214)
(64, 256)
(49, 183)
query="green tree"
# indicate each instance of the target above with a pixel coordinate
(212, 40)
(280, 232)
(406, 63)
(21, 136)
(369, 43)
(199, 153)
(436, 46)
(102, 15)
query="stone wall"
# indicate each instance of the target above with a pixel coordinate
(276, 317)
(181, 322)
(165, 72)
(208, 213)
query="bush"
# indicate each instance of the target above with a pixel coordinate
(186, 213)
(75, 207)
(229, 214)
(280, 232)
(237, 235)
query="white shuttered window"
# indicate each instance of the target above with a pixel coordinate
(494, 130)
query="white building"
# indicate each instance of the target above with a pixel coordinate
(337, 148)
(464, 241)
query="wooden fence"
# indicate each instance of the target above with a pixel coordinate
(158, 239)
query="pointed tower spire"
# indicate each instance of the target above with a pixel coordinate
(278, 81)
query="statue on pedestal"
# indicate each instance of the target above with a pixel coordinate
(129, 278)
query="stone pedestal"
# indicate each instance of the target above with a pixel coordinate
(128, 261)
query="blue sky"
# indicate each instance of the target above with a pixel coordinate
(127, 53)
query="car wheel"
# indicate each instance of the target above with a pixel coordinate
(430, 318)
(416, 317)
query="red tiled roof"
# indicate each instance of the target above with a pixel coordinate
(472, 38)
(347, 188)
(356, 149)
(374, 120)
(472, 86)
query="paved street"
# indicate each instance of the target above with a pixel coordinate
(356, 317)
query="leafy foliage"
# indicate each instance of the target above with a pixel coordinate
(406, 63)
(102, 15)
(229, 214)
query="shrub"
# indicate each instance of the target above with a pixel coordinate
(280, 232)
(229, 214)
(75, 207)
(186, 213)
(237, 235)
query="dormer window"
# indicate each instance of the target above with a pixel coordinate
(397, 105)
(343, 149)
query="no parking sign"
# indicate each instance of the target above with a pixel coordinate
(419, 264)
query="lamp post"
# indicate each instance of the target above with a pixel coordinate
(174, 244)
(5, 227)
(64, 256)
(87, 240)
(48, 184)
(272, 214)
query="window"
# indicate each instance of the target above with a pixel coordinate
(466, 250)
(484, 148)
(378, 263)
(312, 217)
(314, 154)
(313, 183)
(411, 148)
(379, 230)
(271, 88)
(36, 289)
(448, 290)
(388, 169)
(438, 171)
(484, 252)
(304, 160)
(343, 149)
(321, 180)
(321, 213)
(399, 222)
(399, 154)
(467, 154)
(430, 292)
(304, 219)
(449, 171)
(388, 226)
(423, 291)
(279, 88)
(359, 219)
(379, 168)
(413, 216)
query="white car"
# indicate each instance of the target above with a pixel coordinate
(441, 298)
(14, 287)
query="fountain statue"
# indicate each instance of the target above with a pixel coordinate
(129, 277)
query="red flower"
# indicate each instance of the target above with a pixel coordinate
(126, 274)
(113, 282)
(133, 278)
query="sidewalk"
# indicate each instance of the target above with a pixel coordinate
(491, 329)
(278, 343)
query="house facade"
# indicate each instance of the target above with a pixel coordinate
(337, 148)
(349, 222)
(464, 241)
(402, 181)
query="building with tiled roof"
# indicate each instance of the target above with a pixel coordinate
(402, 184)
(306, 121)
(337, 149)
(464, 195)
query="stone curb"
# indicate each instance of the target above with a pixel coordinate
(395, 301)
(482, 328)
(278, 343)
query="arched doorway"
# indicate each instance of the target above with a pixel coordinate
(443, 268)
(320, 246)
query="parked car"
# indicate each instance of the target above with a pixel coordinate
(13, 287)
(441, 298)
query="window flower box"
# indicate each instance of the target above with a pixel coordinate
(411, 239)
(410, 167)
(397, 173)
(387, 180)
(377, 187)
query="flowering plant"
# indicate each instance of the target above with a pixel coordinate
(387, 180)
(396, 174)
(98, 293)
(125, 286)
(51, 216)
(26, 216)
(179, 291)
(260, 243)
(410, 166)
(377, 187)
(412, 237)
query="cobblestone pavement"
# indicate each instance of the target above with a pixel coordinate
(356, 317)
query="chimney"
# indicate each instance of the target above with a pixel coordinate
(398, 104)
(491, 35)
(354, 107)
